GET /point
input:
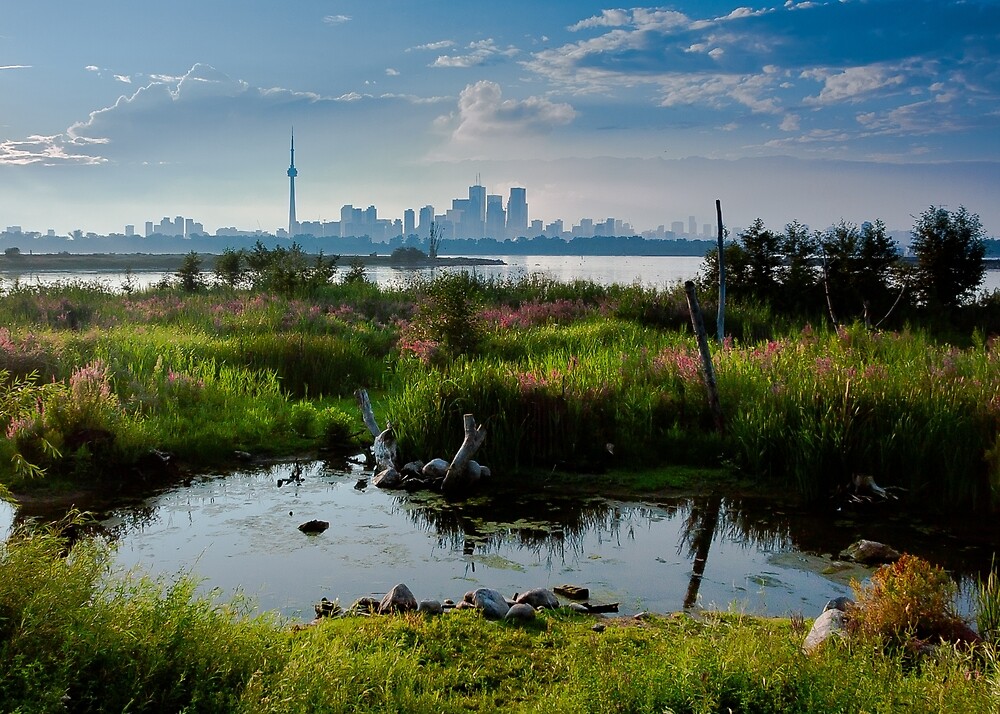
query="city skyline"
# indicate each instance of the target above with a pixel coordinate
(816, 111)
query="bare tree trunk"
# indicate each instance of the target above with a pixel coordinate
(456, 479)
(720, 320)
(706, 357)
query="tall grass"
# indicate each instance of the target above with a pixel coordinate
(75, 637)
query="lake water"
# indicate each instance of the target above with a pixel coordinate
(656, 271)
(239, 532)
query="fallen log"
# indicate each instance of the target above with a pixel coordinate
(457, 479)
(367, 414)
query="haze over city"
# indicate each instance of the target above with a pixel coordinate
(114, 113)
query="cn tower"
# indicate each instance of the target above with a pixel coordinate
(293, 225)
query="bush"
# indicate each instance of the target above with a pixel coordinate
(910, 599)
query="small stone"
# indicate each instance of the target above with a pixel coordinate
(599, 627)
(364, 606)
(484, 473)
(579, 607)
(361, 484)
(520, 612)
(327, 608)
(314, 527)
(573, 592)
(465, 605)
(869, 552)
(399, 599)
(538, 597)
(642, 616)
(413, 468)
(430, 607)
(449, 603)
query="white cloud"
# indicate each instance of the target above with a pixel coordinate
(92, 68)
(853, 83)
(352, 97)
(414, 99)
(790, 123)
(336, 19)
(434, 46)
(607, 18)
(483, 113)
(46, 151)
(479, 53)
(390, 72)
(125, 79)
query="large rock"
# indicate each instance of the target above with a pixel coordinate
(869, 552)
(399, 599)
(430, 607)
(520, 612)
(388, 478)
(435, 468)
(539, 597)
(491, 603)
(832, 623)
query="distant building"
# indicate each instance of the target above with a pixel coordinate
(517, 213)
(409, 223)
(496, 217)
(692, 226)
(426, 219)
(677, 227)
(129, 230)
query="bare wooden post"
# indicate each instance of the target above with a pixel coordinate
(456, 478)
(720, 320)
(706, 357)
(365, 405)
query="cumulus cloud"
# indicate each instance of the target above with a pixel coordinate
(47, 151)
(853, 83)
(482, 112)
(479, 53)
(390, 72)
(607, 18)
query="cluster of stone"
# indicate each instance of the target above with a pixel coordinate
(420, 476)
(490, 603)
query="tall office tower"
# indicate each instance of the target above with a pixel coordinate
(692, 227)
(129, 230)
(371, 216)
(188, 227)
(517, 213)
(496, 217)
(292, 173)
(426, 219)
(149, 228)
(678, 228)
(408, 222)
(475, 218)
(179, 226)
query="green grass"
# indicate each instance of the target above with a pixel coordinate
(75, 638)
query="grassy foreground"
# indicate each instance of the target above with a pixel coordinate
(74, 638)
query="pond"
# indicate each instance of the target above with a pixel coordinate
(238, 532)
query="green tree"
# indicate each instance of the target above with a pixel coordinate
(764, 259)
(798, 272)
(861, 268)
(230, 268)
(189, 273)
(950, 250)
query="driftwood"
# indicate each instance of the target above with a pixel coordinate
(720, 320)
(457, 479)
(365, 405)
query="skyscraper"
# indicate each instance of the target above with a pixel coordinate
(292, 173)
(517, 213)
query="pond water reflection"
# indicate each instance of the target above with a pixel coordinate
(239, 532)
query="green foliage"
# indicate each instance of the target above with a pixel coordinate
(356, 273)
(189, 274)
(230, 268)
(988, 606)
(448, 315)
(74, 636)
(908, 599)
(289, 271)
(950, 252)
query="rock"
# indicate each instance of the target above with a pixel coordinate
(473, 470)
(520, 612)
(465, 605)
(399, 599)
(599, 627)
(538, 597)
(573, 592)
(578, 607)
(869, 552)
(361, 485)
(832, 623)
(327, 608)
(411, 484)
(313, 527)
(388, 478)
(449, 603)
(435, 468)
(842, 603)
(430, 607)
(484, 473)
(243, 455)
(364, 606)
(491, 603)
(413, 468)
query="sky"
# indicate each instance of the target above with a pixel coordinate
(117, 112)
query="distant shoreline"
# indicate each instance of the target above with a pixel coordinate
(147, 262)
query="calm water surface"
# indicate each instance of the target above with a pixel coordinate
(657, 271)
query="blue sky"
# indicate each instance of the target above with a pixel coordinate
(116, 111)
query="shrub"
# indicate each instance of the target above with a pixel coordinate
(909, 599)
(336, 429)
